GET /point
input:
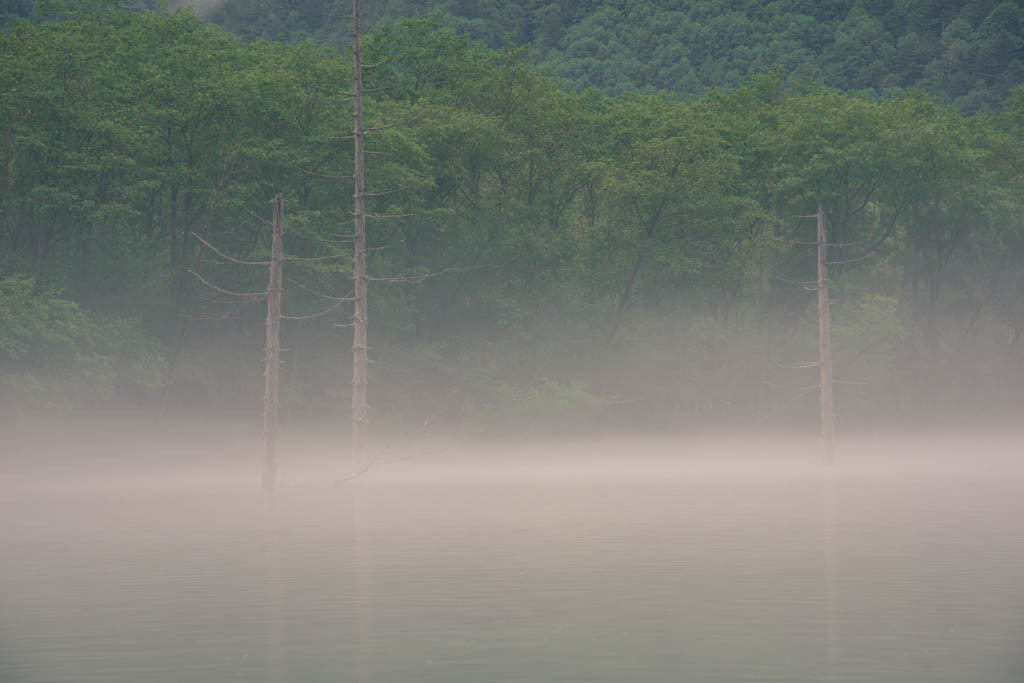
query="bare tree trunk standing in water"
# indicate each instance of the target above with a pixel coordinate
(360, 411)
(272, 369)
(828, 417)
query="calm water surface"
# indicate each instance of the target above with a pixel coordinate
(623, 567)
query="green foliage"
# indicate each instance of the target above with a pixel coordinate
(556, 254)
(54, 352)
(970, 54)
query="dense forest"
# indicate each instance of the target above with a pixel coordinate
(969, 53)
(631, 254)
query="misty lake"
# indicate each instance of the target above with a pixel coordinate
(533, 565)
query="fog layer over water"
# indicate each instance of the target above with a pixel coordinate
(626, 560)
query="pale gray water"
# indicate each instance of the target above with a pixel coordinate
(564, 567)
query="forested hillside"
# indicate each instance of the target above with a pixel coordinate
(616, 259)
(969, 53)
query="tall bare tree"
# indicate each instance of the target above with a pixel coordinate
(272, 363)
(828, 417)
(360, 360)
(272, 347)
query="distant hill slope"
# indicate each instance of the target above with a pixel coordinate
(968, 53)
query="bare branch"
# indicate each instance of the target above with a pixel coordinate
(878, 242)
(316, 258)
(380, 459)
(385, 215)
(343, 93)
(325, 175)
(798, 366)
(411, 278)
(228, 315)
(329, 100)
(319, 294)
(807, 387)
(219, 302)
(230, 258)
(251, 213)
(319, 88)
(392, 190)
(320, 239)
(233, 233)
(798, 283)
(314, 315)
(393, 125)
(402, 84)
(245, 295)
(861, 256)
(803, 392)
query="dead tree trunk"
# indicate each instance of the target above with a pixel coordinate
(360, 360)
(828, 417)
(272, 368)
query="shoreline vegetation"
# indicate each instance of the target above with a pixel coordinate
(558, 258)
